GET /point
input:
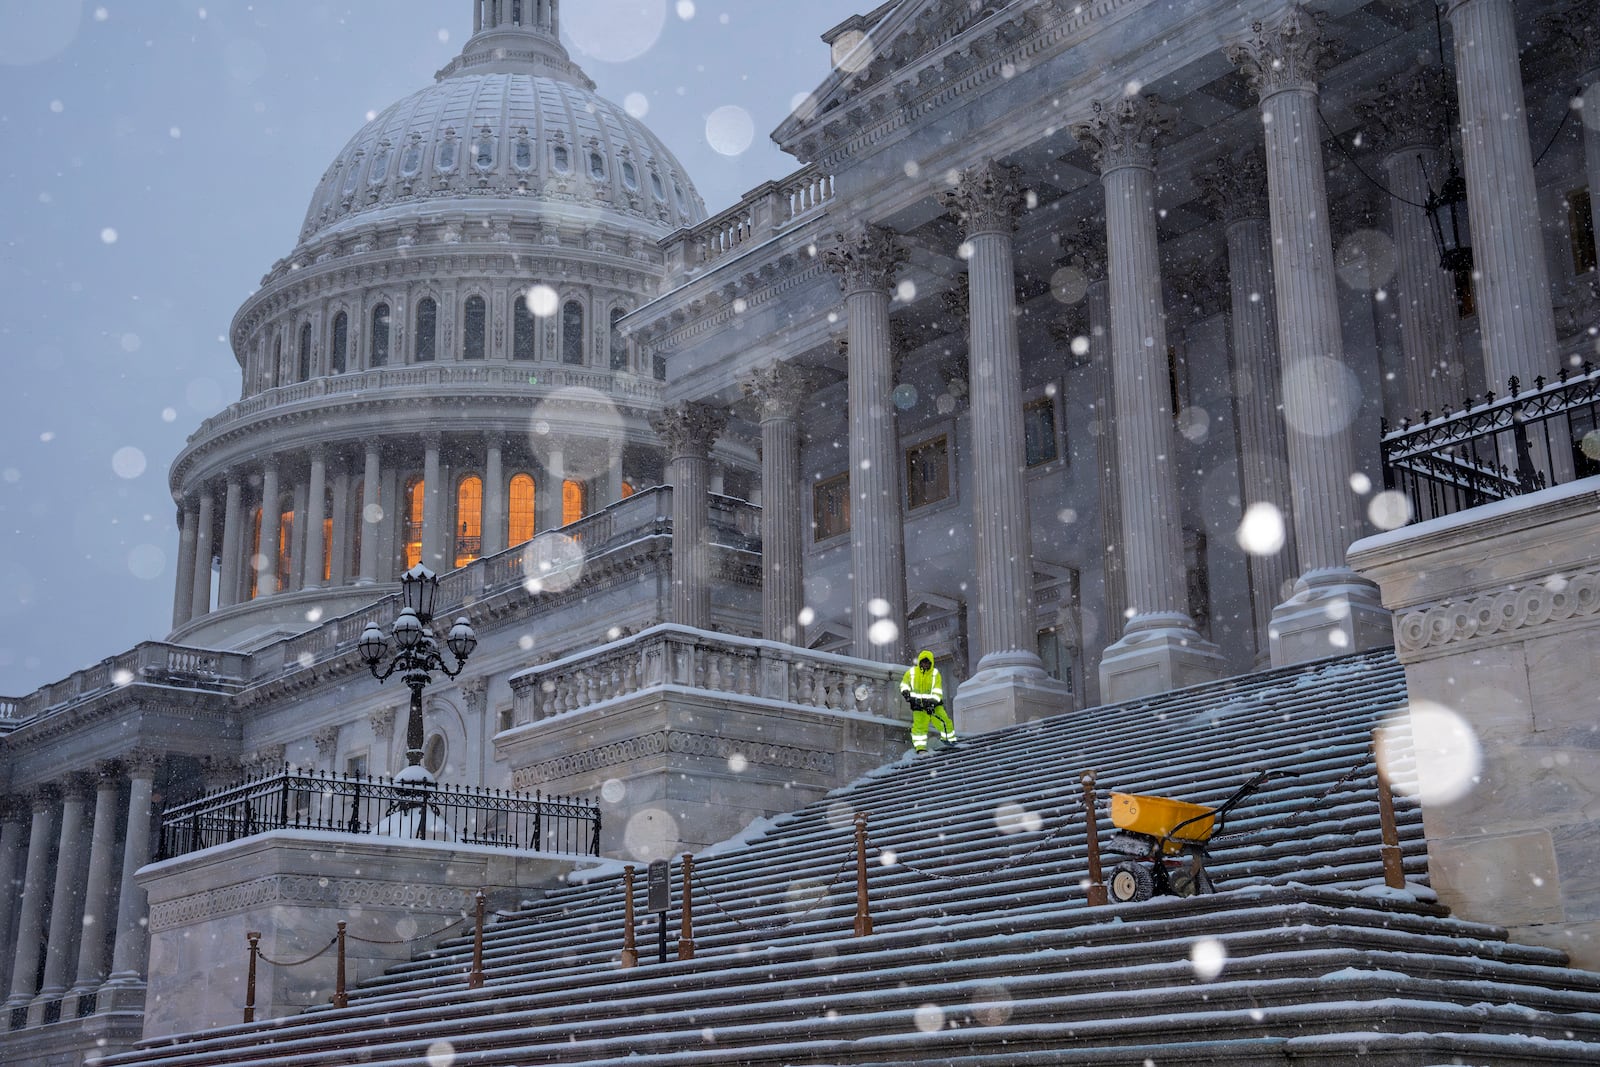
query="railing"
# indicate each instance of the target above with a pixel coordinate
(380, 807)
(1499, 448)
(761, 213)
(678, 656)
(153, 661)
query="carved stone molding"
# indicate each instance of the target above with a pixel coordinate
(1521, 607)
(141, 762)
(1234, 187)
(1083, 246)
(755, 753)
(986, 199)
(1201, 285)
(220, 771)
(291, 889)
(382, 722)
(1572, 36)
(474, 694)
(689, 428)
(1123, 132)
(1406, 111)
(13, 809)
(78, 784)
(326, 738)
(44, 797)
(779, 388)
(865, 258)
(1288, 52)
(956, 304)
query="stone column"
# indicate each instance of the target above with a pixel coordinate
(13, 843)
(1236, 188)
(339, 544)
(97, 901)
(232, 544)
(549, 501)
(183, 592)
(66, 900)
(865, 259)
(1511, 276)
(125, 988)
(689, 430)
(35, 885)
(494, 499)
(1008, 684)
(1406, 118)
(1333, 610)
(271, 519)
(200, 582)
(299, 537)
(1159, 649)
(1591, 147)
(316, 502)
(434, 512)
(371, 517)
(779, 390)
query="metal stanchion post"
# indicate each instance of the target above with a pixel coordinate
(1394, 871)
(863, 914)
(686, 934)
(475, 976)
(250, 978)
(340, 999)
(1097, 888)
(630, 951)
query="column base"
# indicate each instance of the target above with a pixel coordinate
(120, 994)
(46, 1007)
(1332, 612)
(1008, 688)
(1157, 654)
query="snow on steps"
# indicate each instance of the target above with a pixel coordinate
(1005, 964)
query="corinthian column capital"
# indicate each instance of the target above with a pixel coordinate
(865, 257)
(1405, 111)
(689, 429)
(1287, 52)
(1235, 187)
(779, 388)
(986, 199)
(1123, 132)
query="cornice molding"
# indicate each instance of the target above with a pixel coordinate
(677, 742)
(306, 889)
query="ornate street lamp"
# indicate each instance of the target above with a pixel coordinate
(1447, 206)
(416, 655)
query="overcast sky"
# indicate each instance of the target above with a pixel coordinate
(159, 156)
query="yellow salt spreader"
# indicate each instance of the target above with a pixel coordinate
(1165, 842)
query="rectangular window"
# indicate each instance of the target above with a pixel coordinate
(1580, 227)
(928, 472)
(1053, 652)
(356, 766)
(830, 507)
(1039, 430)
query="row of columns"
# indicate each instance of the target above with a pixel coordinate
(78, 891)
(368, 519)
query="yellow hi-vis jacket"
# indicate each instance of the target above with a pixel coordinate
(923, 682)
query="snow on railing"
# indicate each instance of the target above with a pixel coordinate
(764, 211)
(670, 655)
(153, 662)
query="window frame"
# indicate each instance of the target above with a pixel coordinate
(835, 487)
(943, 438)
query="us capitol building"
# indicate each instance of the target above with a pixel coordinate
(1067, 352)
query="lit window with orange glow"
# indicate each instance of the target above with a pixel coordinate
(573, 500)
(469, 520)
(627, 490)
(413, 523)
(519, 513)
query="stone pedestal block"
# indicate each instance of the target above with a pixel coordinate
(1497, 618)
(1330, 614)
(1001, 695)
(1157, 659)
(294, 886)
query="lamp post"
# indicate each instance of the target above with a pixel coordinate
(416, 655)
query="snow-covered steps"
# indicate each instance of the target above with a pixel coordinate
(984, 950)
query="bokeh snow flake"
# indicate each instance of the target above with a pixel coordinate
(615, 31)
(1389, 510)
(108, 235)
(1012, 818)
(128, 461)
(613, 790)
(542, 300)
(1448, 755)
(851, 51)
(441, 1054)
(929, 1018)
(1208, 957)
(883, 632)
(650, 834)
(147, 562)
(636, 104)
(730, 130)
(992, 1004)
(1261, 530)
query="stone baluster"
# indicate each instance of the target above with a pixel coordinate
(230, 581)
(35, 887)
(1333, 609)
(183, 594)
(66, 900)
(98, 903)
(124, 990)
(865, 259)
(779, 389)
(689, 430)
(1236, 188)
(1160, 649)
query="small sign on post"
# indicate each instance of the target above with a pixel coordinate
(658, 883)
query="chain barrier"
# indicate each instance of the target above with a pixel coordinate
(408, 940)
(295, 963)
(969, 878)
(822, 895)
(1311, 805)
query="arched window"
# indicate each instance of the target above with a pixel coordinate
(380, 165)
(519, 512)
(574, 501)
(572, 332)
(523, 157)
(597, 167)
(341, 343)
(516, 12)
(305, 352)
(427, 329)
(483, 150)
(469, 519)
(630, 177)
(522, 330)
(378, 348)
(473, 328)
(619, 347)
(559, 160)
(447, 152)
(657, 188)
(411, 162)
(255, 553)
(413, 522)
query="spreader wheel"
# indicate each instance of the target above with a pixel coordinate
(1131, 881)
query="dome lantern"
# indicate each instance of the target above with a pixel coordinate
(516, 37)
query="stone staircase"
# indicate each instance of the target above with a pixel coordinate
(984, 951)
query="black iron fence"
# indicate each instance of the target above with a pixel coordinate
(292, 799)
(1498, 448)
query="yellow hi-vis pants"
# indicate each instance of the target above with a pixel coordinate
(923, 718)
